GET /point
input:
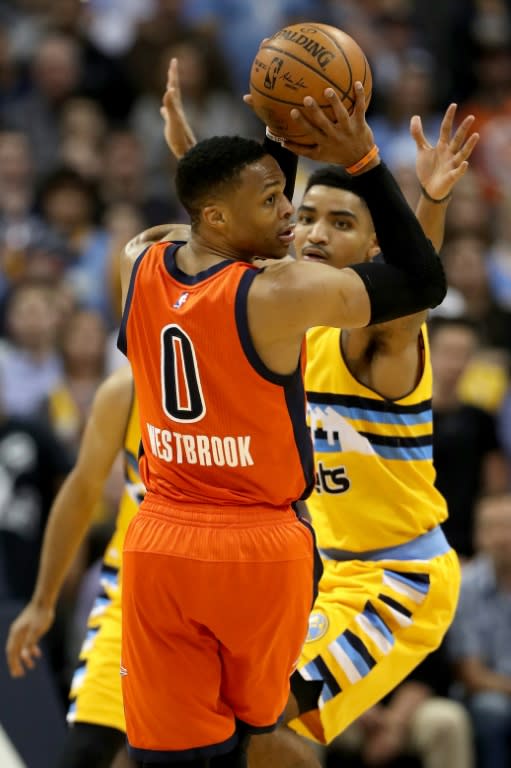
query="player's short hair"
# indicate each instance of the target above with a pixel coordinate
(331, 176)
(210, 167)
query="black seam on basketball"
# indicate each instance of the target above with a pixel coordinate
(339, 48)
(298, 104)
(284, 52)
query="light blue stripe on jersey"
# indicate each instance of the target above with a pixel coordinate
(378, 417)
(417, 453)
(377, 622)
(416, 584)
(430, 544)
(359, 662)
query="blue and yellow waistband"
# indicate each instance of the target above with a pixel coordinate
(424, 547)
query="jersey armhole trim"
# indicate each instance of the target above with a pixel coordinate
(122, 338)
(241, 314)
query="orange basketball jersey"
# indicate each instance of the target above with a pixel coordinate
(217, 426)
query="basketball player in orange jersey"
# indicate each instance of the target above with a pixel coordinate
(217, 568)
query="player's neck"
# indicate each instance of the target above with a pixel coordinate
(199, 254)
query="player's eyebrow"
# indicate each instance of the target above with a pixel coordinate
(340, 212)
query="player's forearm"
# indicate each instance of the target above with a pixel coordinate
(68, 523)
(417, 273)
(431, 217)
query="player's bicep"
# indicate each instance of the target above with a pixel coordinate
(293, 297)
(332, 297)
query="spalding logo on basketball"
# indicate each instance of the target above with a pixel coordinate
(302, 60)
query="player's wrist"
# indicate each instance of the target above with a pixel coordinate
(365, 163)
(273, 137)
(433, 199)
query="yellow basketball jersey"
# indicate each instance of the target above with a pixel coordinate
(374, 457)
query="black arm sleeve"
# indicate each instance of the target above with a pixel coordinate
(288, 162)
(412, 278)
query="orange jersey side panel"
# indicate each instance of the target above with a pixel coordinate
(217, 426)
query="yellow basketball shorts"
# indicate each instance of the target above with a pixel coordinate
(95, 694)
(372, 623)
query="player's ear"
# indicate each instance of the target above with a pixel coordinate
(374, 246)
(214, 216)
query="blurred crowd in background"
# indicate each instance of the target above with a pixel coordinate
(84, 167)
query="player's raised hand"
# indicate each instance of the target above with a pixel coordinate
(345, 140)
(177, 131)
(22, 649)
(441, 166)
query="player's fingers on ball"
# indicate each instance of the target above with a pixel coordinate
(359, 109)
(304, 122)
(316, 116)
(340, 111)
(247, 98)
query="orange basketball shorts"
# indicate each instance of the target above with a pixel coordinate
(215, 607)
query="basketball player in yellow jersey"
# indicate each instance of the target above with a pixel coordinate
(391, 580)
(96, 711)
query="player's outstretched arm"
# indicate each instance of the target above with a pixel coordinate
(177, 130)
(70, 517)
(439, 168)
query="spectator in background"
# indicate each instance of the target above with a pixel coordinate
(412, 93)
(239, 27)
(466, 451)
(466, 267)
(70, 205)
(30, 366)
(124, 180)
(208, 100)
(83, 345)
(480, 637)
(55, 76)
(83, 130)
(16, 182)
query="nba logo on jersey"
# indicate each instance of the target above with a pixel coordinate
(179, 303)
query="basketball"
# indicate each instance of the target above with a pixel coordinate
(302, 60)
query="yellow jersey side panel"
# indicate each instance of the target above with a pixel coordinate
(374, 457)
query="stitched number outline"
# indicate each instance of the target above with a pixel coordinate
(181, 388)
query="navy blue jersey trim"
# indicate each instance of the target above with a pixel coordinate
(245, 727)
(398, 442)
(317, 561)
(122, 338)
(170, 265)
(367, 403)
(244, 333)
(168, 756)
(292, 383)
